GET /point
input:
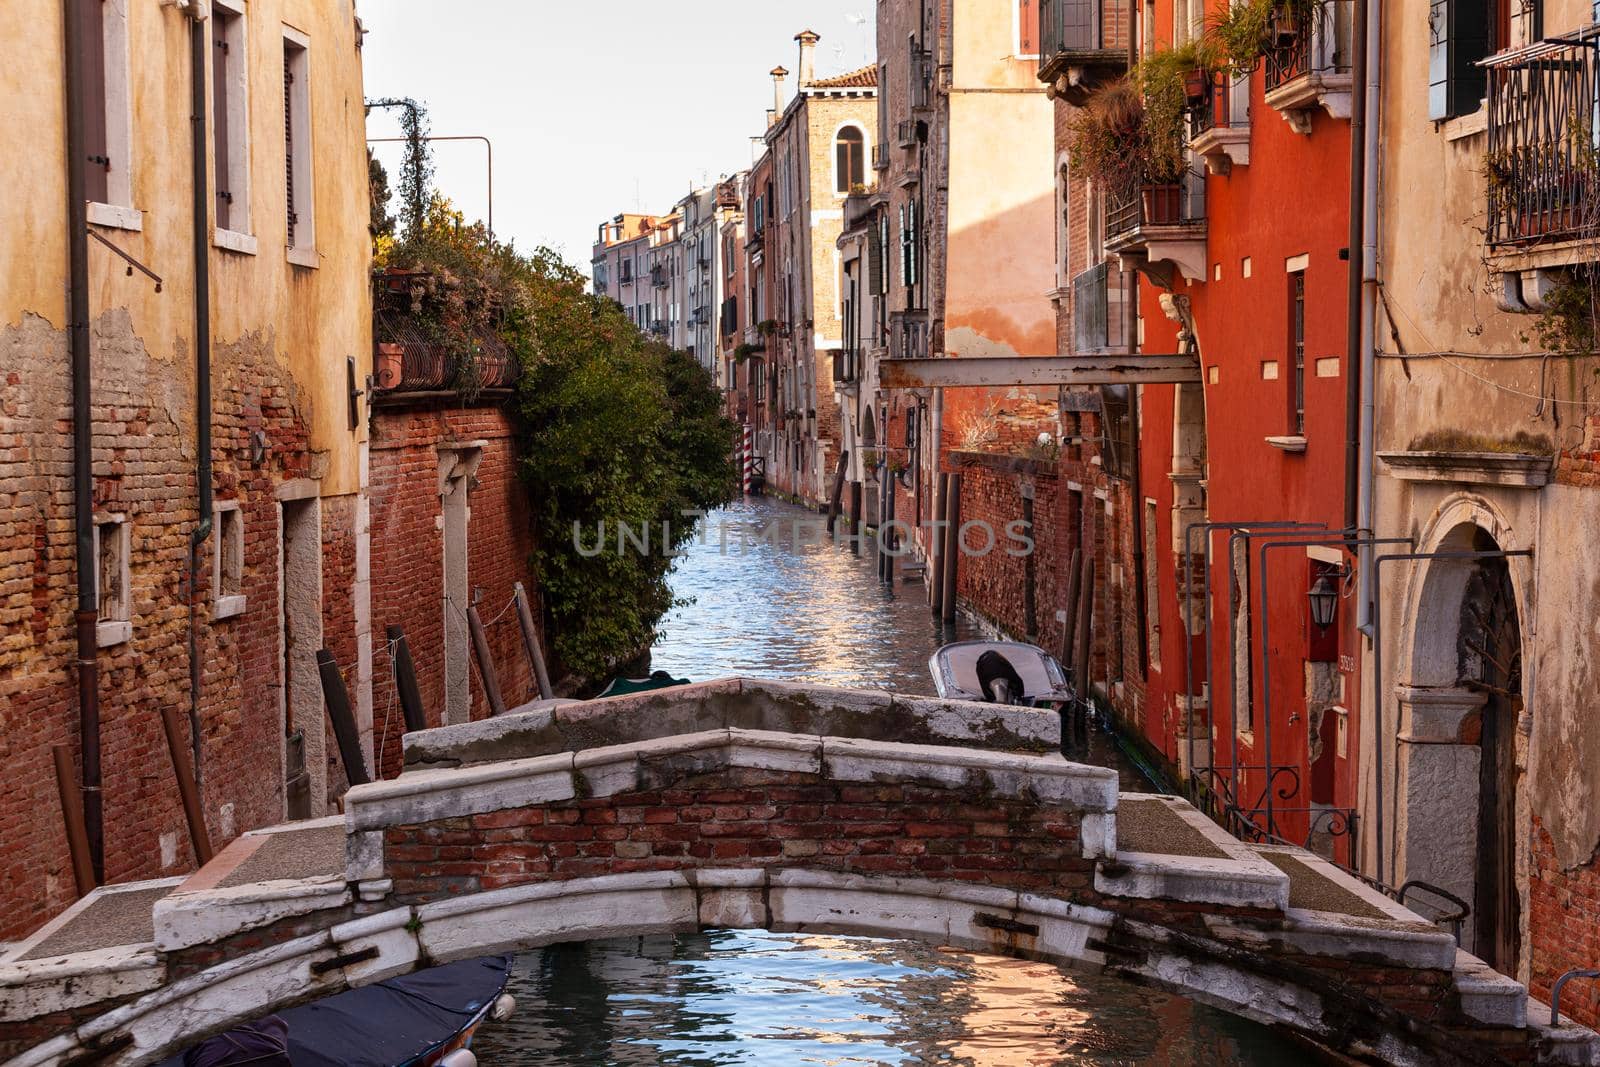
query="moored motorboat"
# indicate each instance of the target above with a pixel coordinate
(425, 1019)
(999, 672)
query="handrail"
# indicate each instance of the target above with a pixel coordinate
(1555, 991)
(1455, 920)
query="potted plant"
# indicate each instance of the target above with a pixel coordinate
(1195, 84)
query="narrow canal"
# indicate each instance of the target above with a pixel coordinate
(762, 597)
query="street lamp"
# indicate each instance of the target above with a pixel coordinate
(1324, 596)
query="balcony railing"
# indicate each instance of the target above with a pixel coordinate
(1068, 26)
(406, 360)
(1314, 42)
(908, 335)
(880, 156)
(1101, 299)
(906, 132)
(658, 277)
(1543, 162)
(1141, 205)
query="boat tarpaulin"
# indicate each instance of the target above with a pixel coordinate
(386, 1024)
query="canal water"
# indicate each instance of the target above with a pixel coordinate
(761, 596)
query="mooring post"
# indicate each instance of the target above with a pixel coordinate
(480, 652)
(1080, 659)
(188, 792)
(856, 525)
(72, 816)
(838, 492)
(941, 505)
(405, 680)
(952, 549)
(337, 700)
(530, 641)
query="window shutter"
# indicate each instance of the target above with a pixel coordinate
(875, 261)
(1458, 38)
(219, 119)
(288, 141)
(92, 61)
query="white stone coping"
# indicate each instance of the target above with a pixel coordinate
(728, 703)
(1239, 878)
(206, 915)
(1489, 996)
(431, 795)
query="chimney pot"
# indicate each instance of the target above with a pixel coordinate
(808, 44)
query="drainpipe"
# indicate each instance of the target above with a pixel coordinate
(202, 364)
(88, 609)
(1369, 309)
(1352, 363)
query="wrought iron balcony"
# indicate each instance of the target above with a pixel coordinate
(1084, 44)
(1219, 123)
(1102, 299)
(1160, 223)
(1543, 162)
(906, 132)
(1308, 65)
(658, 277)
(880, 156)
(407, 362)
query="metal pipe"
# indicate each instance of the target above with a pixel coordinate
(199, 45)
(1378, 701)
(1266, 661)
(72, 817)
(188, 790)
(486, 672)
(530, 641)
(87, 615)
(1188, 605)
(1352, 348)
(1365, 521)
(463, 137)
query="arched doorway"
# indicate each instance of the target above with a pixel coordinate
(1460, 764)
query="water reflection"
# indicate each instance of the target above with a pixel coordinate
(764, 606)
(741, 997)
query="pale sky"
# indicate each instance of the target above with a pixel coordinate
(594, 108)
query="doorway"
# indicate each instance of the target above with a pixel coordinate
(300, 626)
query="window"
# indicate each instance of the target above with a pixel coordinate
(850, 167)
(300, 200)
(227, 570)
(230, 118)
(107, 113)
(1297, 353)
(1116, 428)
(111, 552)
(908, 243)
(1461, 32)
(1027, 28)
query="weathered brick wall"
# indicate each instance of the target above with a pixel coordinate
(408, 554)
(145, 469)
(1564, 928)
(748, 818)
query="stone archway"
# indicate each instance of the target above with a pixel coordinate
(1461, 752)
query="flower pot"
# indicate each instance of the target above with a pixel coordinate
(1285, 28)
(1163, 204)
(388, 367)
(1194, 86)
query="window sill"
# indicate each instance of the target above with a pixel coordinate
(305, 257)
(115, 216)
(234, 241)
(107, 634)
(1464, 126)
(1293, 443)
(228, 606)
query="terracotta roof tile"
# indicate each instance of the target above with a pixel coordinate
(865, 78)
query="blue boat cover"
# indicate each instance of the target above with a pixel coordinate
(386, 1024)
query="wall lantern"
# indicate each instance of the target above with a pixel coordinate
(1324, 596)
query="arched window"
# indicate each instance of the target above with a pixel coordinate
(850, 168)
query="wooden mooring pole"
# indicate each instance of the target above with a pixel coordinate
(405, 680)
(936, 545)
(337, 699)
(188, 791)
(486, 672)
(72, 816)
(530, 641)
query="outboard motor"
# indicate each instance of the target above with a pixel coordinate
(1000, 681)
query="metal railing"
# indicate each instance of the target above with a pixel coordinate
(1543, 162)
(424, 365)
(1313, 42)
(1101, 299)
(1077, 26)
(1224, 106)
(1138, 204)
(906, 132)
(880, 156)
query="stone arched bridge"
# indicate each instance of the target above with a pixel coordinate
(746, 803)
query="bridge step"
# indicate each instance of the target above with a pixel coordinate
(1489, 996)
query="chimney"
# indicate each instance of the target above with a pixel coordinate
(808, 67)
(778, 74)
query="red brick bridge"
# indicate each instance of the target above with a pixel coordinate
(758, 804)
